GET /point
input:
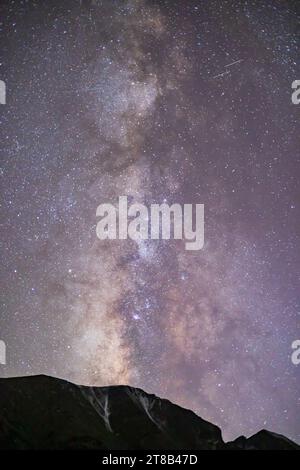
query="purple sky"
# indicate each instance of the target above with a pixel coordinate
(182, 101)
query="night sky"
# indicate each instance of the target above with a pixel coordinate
(176, 101)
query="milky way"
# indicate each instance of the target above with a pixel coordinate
(175, 101)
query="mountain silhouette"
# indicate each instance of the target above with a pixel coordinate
(41, 412)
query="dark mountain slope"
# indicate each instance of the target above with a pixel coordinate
(41, 412)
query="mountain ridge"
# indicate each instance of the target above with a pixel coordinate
(42, 412)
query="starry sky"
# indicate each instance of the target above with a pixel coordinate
(176, 101)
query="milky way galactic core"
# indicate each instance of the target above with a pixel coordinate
(175, 102)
